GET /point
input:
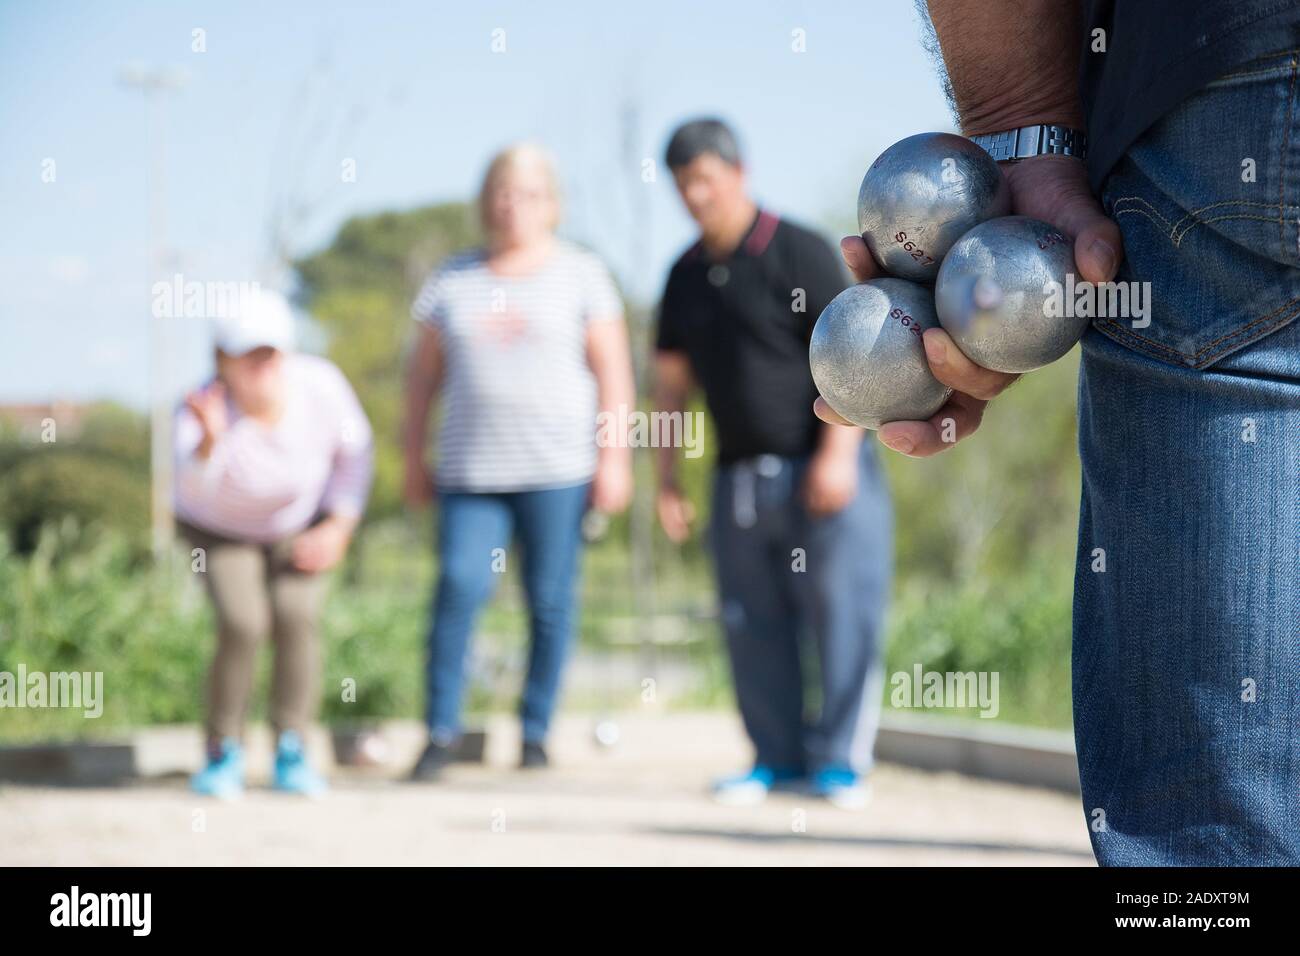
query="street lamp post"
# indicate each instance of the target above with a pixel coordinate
(153, 83)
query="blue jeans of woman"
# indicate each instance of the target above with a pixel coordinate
(475, 533)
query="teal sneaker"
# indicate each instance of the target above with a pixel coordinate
(751, 789)
(842, 788)
(293, 774)
(223, 777)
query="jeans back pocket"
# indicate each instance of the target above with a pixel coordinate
(1208, 201)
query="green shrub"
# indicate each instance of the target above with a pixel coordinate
(88, 600)
(51, 484)
(1019, 629)
(83, 601)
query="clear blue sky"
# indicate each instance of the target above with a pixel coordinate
(414, 93)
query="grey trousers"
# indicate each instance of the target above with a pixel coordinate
(788, 583)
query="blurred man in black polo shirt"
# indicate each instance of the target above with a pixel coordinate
(800, 522)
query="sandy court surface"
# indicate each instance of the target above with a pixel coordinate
(642, 803)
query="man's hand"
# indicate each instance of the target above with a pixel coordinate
(611, 487)
(1051, 188)
(322, 546)
(208, 406)
(831, 481)
(675, 513)
(1055, 189)
(1009, 64)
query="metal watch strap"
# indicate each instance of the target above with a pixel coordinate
(1016, 144)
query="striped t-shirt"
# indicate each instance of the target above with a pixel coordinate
(518, 396)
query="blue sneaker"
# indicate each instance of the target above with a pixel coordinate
(841, 787)
(751, 789)
(223, 777)
(293, 774)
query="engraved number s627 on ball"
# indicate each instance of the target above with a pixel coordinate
(917, 253)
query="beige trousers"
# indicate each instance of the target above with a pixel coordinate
(256, 591)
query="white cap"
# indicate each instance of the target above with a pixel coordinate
(262, 318)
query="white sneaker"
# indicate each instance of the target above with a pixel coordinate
(746, 790)
(842, 789)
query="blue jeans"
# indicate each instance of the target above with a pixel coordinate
(1186, 660)
(788, 580)
(474, 537)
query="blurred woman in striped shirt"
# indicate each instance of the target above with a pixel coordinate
(273, 468)
(523, 342)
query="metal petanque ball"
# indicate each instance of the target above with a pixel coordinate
(921, 195)
(995, 295)
(867, 358)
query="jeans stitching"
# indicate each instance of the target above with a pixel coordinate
(1175, 236)
(1286, 140)
(1237, 76)
(1154, 348)
(1162, 220)
(1179, 238)
(1271, 69)
(1252, 330)
(1234, 202)
(1143, 212)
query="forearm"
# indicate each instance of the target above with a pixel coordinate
(672, 402)
(344, 522)
(420, 391)
(199, 462)
(840, 440)
(424, 370)
(349, 486)
(1010, 62)
(203, 451)
(615, 396)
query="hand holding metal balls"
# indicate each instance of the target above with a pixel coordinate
(866, 353)
(933, 208)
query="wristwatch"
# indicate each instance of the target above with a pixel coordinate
(1012, 145)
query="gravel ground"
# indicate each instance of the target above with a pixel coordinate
(641, 803)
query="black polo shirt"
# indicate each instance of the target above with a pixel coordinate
(744, 322)
(1158, 53)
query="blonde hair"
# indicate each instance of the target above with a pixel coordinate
(509, 159)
